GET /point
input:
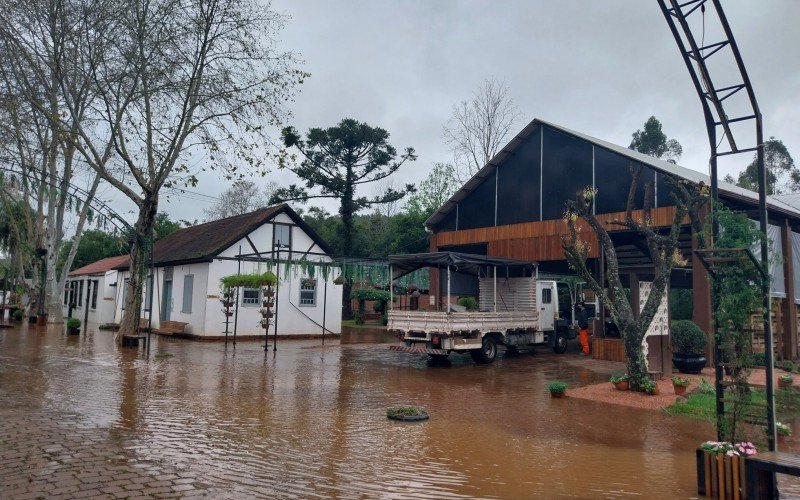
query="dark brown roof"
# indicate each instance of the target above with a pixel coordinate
(204, 241)
(100, 266)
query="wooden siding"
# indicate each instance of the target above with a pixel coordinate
(539, 241)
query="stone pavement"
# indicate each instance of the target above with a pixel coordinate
(49, 455)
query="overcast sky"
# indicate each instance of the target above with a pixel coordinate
(601, 68)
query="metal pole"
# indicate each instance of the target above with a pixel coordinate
(324, 309)
(277, 296)
(448, 290)
(391, 289)
(86, 309)
(236, 306)
(495, 288)
(765, 283)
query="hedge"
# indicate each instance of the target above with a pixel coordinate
(248, 280)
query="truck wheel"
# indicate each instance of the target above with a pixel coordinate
(486, 353)
(560, 345)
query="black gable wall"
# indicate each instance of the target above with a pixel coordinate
(526, 192)
(518, 183)
(567, 170)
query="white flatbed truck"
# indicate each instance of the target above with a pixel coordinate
(514, 311)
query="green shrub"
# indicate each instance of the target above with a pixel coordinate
(706, 387)
(370, 294)
(358, 316)
(73, 323)
(648, 386)
(786, 379)
(469, 302)
(18, 314)
(384, 320)
(783, 429)
(557, 387)
(759, 358)
(248, 280)
(687, 336)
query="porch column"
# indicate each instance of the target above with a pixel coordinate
(701, 296)
(789, 309)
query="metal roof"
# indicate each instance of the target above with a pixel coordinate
(665, 167)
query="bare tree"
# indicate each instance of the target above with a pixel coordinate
(242, 197)
(37, 36)
(173, 79)
(479, 127)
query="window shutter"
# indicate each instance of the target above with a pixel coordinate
(188, 285)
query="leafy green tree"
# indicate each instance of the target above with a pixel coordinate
(165, 226)
(93, 246)
(652, 141)
(782, 175)
(433, 191)
(336, 162)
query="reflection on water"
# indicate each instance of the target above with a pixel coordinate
(309, 421)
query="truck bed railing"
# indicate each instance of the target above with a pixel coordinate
(444, 322)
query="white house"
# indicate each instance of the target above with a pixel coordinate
(190, 262)
(90, 290)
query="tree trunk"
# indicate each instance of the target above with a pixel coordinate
(636, 364)
(137, 272)
(346, 211)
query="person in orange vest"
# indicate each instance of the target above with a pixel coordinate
(583, 328)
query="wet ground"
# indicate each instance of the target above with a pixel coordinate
(79, 414)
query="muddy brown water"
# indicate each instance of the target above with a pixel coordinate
(309, 421)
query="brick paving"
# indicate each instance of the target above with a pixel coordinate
(45, 454)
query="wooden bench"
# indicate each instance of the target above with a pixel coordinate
(170, 327)
(761, 470)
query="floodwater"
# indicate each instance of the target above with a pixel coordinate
(309, 421)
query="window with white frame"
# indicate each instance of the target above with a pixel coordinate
(250, 296)
(308, 292)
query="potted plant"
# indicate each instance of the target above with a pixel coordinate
(227, 297)
(725, 459)
(688, 344)
(406, 413)
(264, 323)
(557, 389)
(227, 312)
(785, 380)
(649, 386)
(265, 312)
(621, 382)
(266, 302)
(783, 430)
(17, 315)
(680, 385)
(73, 326)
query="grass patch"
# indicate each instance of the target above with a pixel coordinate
(351, 323)
(404, 411)
(701, 405)
(162, 356)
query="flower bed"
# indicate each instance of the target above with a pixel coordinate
(721, 468)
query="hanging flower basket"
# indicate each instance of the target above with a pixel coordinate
(226, 303)
(267, 303)
(264, 323)
(265, 313)
(227, 314)
(268, 292)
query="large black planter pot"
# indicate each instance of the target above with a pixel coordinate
(689, 362)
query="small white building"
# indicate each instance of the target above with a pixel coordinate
(90, 290)
(190, 262)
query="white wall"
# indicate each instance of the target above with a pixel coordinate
(104, 310)
(206, 318)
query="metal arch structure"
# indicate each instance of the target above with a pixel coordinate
(104, 210)
(715, 103)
